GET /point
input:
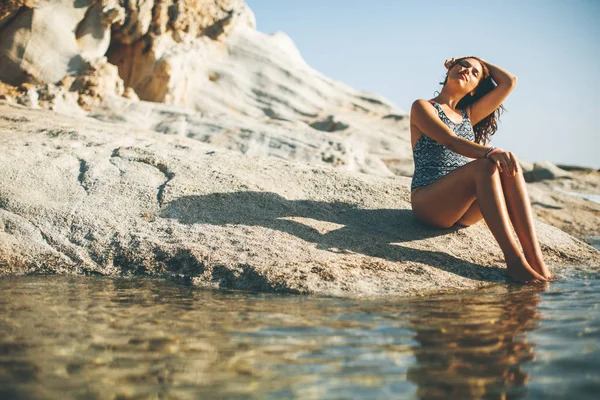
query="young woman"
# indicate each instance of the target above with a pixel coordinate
(449, 188)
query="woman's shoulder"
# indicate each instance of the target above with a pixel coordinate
(424, 107)
(421, 105)
(422, 102)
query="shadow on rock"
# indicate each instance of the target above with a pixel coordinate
(374, 233)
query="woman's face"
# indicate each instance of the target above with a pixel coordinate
(467, 73)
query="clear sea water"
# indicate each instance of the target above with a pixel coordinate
(99, 338)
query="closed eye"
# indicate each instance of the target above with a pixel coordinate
(466, 64)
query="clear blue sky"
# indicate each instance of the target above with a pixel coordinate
(397, 48)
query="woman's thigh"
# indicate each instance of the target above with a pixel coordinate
(446, 201)
(471, 216)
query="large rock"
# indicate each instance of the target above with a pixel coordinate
(163, 46)
(245, 73)
(93, 33)
(545, 170)
(41, 41)
(236, 88)
(228, 86)
(572, 205)
(81, 196)
(72, 95)
(45, 40)
(368, 144)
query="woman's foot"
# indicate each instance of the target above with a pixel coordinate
(520, 271)
(541, 268)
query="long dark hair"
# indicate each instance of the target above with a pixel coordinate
(487, 126)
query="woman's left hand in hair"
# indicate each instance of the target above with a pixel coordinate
(506, 162)
(450, 62)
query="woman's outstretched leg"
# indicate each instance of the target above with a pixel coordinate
(519, 210)
(444, 202)
(492, 204)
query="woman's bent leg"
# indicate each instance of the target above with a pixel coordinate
(519, 209)
(471, 216)
(445, 201)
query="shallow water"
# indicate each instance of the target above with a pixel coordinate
(591, 197)
(81, 337)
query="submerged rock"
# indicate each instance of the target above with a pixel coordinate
(84, 197)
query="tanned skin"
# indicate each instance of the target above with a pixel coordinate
(492, 189)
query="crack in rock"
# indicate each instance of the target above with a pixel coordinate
(149, 159)
(47, 240)
(83, 169)
(56, 246)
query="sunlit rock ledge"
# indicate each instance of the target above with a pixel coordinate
(79, 196)
(202, 70)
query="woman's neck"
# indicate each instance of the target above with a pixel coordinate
(449, 97)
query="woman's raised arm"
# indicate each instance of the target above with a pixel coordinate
(491, 101)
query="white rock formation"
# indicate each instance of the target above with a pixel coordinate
(81, 196)
(546, 170)
(235, 87)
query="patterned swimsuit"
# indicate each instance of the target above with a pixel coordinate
(432, 160)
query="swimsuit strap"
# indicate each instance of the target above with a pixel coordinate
(436, 105)
(439, 108)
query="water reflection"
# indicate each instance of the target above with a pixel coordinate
(118, 338)
(474, 347)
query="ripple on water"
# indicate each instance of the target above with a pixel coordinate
(68, 337)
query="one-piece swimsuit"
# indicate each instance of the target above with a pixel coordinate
(432, 160)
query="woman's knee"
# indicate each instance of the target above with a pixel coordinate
(485, 167)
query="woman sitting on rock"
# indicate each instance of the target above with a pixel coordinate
(449, 188)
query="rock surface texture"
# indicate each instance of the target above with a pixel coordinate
(81, 196)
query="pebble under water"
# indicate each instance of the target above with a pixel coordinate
(82, 337)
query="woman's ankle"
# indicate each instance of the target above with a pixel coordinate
(539, 266)
(521, 271)
(515, 258)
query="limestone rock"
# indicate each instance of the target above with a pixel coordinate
(575, 168)
(222, 83)
(359, 148)
(38, 45)
(94, 83)
(255, 91)
(72, 94)
(8, 92)
(163, 45)
(572, 205)
(526, 166)
(8, 9)
(239, 71)
(84, 197)
(94, 31)
(184, 20)
(545, 170)
(138, 16)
